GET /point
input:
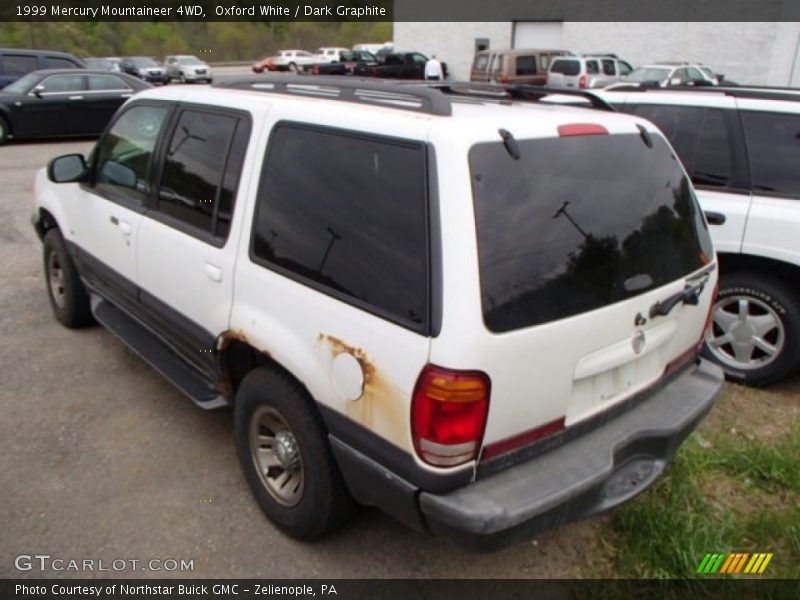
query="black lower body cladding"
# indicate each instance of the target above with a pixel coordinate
(587, 475)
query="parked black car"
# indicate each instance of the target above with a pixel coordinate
(14, 63)
(349, 63)
(63, 102)
(144, 68)
(402, 65)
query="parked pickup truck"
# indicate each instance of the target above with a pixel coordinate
(347, 63)
(403, 65)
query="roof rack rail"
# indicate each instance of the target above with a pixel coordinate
(348, 89)
(523, 93)
(743, 91)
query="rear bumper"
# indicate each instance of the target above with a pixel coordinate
(585, 476)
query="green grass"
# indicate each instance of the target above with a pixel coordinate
(736, 495)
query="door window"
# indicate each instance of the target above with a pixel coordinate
(773, 144)
(608, 67)
(107, 83)
(123, 168)
(526, 65)
(63, 84)
(17, 64)
(192, 189)
(592, 68)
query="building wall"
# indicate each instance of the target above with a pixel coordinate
(763, 53)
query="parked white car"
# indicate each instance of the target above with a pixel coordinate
(328, 55)
(740, 145)
(667, 74)
(187, 68)
(293, 60)
(483, 317)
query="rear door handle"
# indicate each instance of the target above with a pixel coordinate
(124, 226)
(76, 97)
(715, 218)
(213, 272)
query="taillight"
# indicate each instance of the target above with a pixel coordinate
(315, 70)
(581, 129)
(582, 81)
(448, 415)
(504, 79)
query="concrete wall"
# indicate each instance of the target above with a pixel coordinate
(763, 53)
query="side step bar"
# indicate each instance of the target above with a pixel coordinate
(158, 355)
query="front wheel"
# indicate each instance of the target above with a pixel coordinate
(755, 329)
(293, 67)
(67, 295)
(4, 131)
(282, 446)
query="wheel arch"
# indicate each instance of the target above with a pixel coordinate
(741, 263)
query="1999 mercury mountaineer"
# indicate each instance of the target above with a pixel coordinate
(473, 308)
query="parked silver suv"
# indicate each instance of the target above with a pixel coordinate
(587, 71)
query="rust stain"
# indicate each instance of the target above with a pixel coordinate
(382, 407)
(225, 339)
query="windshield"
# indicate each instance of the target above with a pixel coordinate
(647, 74)
(140, 61)
(580, 223)
(23, 84)
(189, 60)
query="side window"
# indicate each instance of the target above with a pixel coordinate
(592, 68)
(713, 158)
(55, 62)
(481, 61)
(693, 74)
(347, 213)
(124, 158)
(681, 74)
(106, 82)
(608, 67)
(624, 68)
(526, 65)
(679, 124)
(419, 59)
(17, 64)
(194, 187)
(60, 84)
(773, 144)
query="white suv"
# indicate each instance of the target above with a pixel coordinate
(481, 315)
(741, 146)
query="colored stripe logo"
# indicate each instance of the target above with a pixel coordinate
(738, 562)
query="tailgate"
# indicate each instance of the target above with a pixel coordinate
(596, 272)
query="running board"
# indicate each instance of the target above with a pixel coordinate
(153, 351)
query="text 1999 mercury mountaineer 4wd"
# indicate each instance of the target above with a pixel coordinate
(474, 309)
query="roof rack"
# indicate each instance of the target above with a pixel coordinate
(512, 92)
(348, 89)
(744, 91)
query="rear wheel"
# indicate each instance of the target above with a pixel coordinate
(283, 449)
(67, 295)
(755, 329)
(293, 67)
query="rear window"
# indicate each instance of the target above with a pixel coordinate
(773, 142)
(579, 223)
(566, 67)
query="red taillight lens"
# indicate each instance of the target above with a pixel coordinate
(448, 415)
(582, 82)
(504, 79)
(581, 129)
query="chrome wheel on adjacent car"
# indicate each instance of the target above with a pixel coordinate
(276, 456)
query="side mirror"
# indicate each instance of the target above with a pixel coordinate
(68, 168)
(37, 91)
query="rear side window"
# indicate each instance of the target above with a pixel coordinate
(701, 138)
(608, 67)
(192, 188)
(17, 64)
(773, 144)
(526, 65)
(579, 223)
(106, 82)
(592, 68)
(566, 67)
(60, 84)
(347, 214)
(54, 62)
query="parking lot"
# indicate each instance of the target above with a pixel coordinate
(103, 459)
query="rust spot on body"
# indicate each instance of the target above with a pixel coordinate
(382, 407)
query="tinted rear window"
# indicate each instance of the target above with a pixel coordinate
(566, 67)
(579, 223)
(773, 142)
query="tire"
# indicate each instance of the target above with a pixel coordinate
(755, 329)
(181, 78)
(292, 67)
(314, 499)
(67, 295)
(4, 131)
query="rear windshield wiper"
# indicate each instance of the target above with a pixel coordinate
(689, 295)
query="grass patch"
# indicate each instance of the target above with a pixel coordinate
(727, 495)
